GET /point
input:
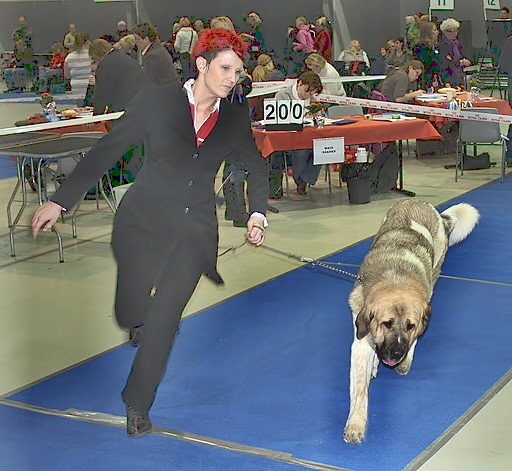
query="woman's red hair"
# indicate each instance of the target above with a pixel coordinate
(219, 39)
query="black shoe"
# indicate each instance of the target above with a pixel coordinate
(136, 335)
(137, 424)
(301, 186)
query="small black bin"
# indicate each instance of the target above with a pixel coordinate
(359, 183)
(359, 190)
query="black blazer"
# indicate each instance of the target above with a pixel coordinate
(118, 79)
(158, 65)
(171, 205)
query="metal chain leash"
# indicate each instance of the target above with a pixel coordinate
(313, 262)
(299, 258)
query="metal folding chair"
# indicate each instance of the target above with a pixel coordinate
(479, 133)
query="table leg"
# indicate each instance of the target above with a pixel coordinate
(400, 187)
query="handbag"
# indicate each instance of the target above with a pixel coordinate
(476, 162)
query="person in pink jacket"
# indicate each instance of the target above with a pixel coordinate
(304, 42)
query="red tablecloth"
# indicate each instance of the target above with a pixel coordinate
(503, 106)
(363, 131)
(100, 126)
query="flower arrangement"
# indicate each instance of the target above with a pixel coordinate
(317, 106)
(45, 99)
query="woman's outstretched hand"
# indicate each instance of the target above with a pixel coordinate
(45, 217)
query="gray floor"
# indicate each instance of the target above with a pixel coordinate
(57, 315)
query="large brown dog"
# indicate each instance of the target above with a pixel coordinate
(390, 301)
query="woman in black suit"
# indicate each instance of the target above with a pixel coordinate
(165, 231)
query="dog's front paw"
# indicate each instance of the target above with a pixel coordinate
(404, 366)
(354, 431)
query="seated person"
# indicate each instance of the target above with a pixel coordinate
(56, 67)
(317, 64)
(266, 71)
(396, 54)
(397, 85)
(304, 172)
(355, 59)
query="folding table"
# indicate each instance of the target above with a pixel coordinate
(38, 155)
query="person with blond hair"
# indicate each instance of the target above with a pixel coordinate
(426, 50)
(304, 39)
(126, 44)
(184, 43)
(118, 78)
(223, 22)
(78, 65)
(266, 70)
(355, 58)
(317, 64)
(69, 38)
(323, 38)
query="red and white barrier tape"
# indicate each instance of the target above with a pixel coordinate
(473, 115)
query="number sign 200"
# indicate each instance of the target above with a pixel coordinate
(283, 111)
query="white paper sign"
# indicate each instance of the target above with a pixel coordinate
(328, 151)
(442, 4)
(492, 4)
(283, 111)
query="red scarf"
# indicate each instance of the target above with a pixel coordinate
(206, 128)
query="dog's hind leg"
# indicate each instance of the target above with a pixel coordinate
(362, 369)
(405, 365)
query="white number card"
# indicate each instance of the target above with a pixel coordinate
(283, 111)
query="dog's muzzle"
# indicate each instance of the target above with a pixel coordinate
(392, 352)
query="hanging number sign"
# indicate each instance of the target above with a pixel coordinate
(492, 4)
(442, 4)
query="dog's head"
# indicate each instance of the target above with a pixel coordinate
(393, 320)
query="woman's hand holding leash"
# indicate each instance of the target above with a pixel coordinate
(255, 231)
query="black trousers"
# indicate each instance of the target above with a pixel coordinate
(159, 311)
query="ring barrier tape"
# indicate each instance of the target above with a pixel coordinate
(265, 88)
(425, 110)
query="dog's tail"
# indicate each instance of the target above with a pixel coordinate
(459, 221)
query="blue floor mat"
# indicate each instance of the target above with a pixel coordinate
(7, 167)
(30, 97)
(269, 368)
(53, 444)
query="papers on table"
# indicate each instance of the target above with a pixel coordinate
(427, 97)
(392, 117)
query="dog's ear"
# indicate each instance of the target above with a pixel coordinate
(425, 318)
(362, 323)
